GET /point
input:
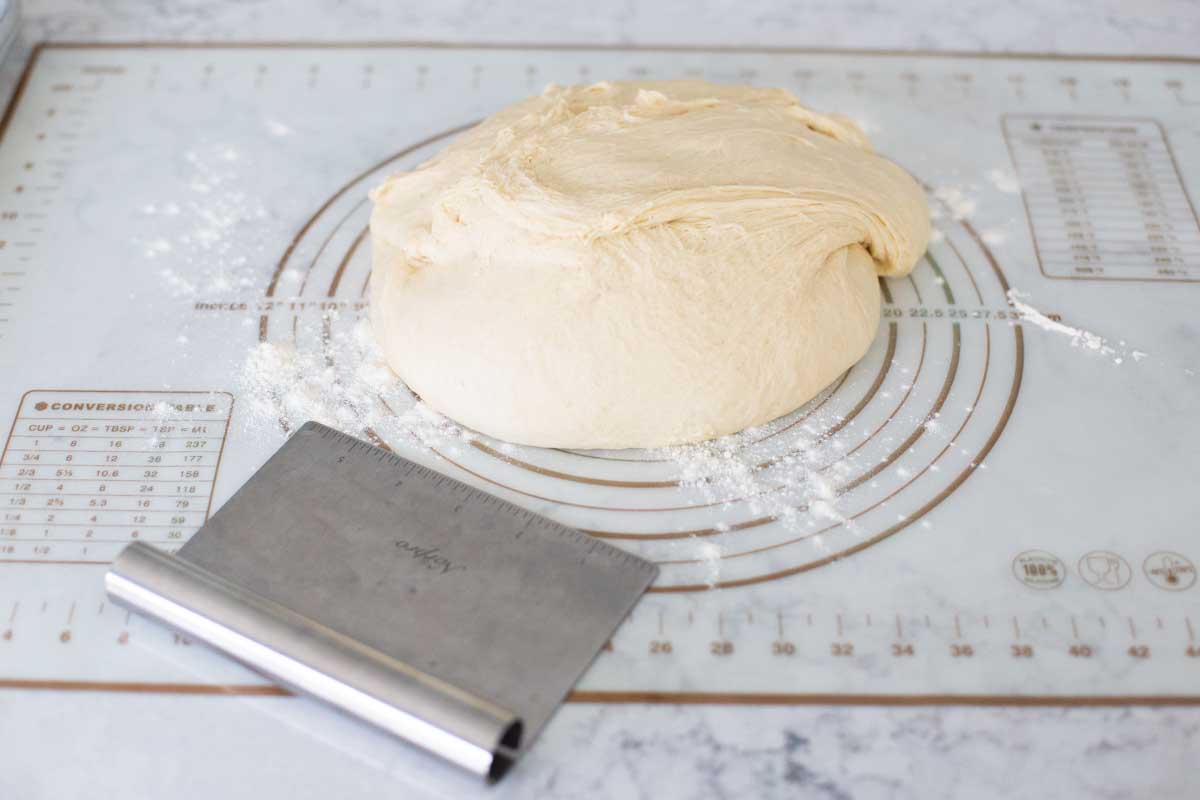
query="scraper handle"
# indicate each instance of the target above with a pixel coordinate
(316, 660)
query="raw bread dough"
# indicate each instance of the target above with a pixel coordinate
(635, 264)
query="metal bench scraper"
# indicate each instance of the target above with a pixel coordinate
(435, 611)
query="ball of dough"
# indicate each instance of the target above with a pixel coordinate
(637, 264)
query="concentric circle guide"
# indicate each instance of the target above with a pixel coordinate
(899, 432)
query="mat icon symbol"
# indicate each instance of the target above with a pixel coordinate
(1105, 570)
(1170, 571)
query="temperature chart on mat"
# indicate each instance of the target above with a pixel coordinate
(988, 506)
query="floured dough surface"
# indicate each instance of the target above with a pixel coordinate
(637, 264)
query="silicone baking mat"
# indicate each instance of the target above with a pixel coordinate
(993, 506)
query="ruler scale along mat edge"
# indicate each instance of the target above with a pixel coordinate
(702, 696)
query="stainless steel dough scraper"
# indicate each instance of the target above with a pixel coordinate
(442, 614)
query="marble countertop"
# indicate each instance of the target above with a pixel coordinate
(632, 751)
(1070, 26)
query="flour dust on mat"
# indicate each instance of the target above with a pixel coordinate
(1084, 340)
(208, 236)
(791, 472)
(343, 383)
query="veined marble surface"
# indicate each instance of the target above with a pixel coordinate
(615, 751)
(1069, 26)
(625, 751)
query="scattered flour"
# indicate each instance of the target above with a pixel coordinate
(208, 237)
(993, 236)
(1082, 339)
(343, 382)
(710, 554)
(955, 202)
(277, 128)
(792, 476)
(1004, 181)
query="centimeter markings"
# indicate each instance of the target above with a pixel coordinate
(1037, 626)
(446, 484)
(913, 81)
(779, 637)
(649, 632)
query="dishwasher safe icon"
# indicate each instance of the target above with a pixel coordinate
(1105, 570)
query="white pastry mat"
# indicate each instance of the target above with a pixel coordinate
(1003, 507)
